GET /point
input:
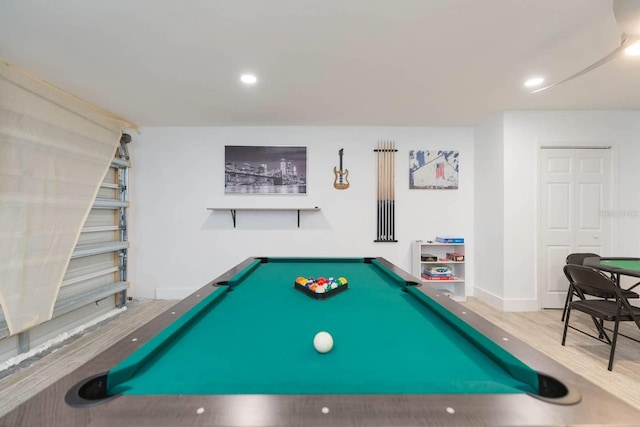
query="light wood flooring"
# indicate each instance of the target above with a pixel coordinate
(541, 329)
(581, 354)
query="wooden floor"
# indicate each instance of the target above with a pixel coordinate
(582, 354)
(541, 329)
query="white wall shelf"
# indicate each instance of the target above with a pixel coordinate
(454, 287)
(233, 211)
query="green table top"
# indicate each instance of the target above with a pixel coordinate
(626, 264)
(257, 339)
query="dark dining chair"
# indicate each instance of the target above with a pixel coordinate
(578, 259)
(590, 282)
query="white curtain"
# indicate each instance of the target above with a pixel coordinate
(55, 150)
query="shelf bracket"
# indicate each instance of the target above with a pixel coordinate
(233, 216)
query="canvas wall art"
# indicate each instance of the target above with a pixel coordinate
(265, 170)
(433, 169)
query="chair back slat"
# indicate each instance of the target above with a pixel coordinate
(579, 257)
(589, 281)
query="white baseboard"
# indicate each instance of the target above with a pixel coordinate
(505, 304)
(488, 297)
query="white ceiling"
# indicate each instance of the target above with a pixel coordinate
(320, 62)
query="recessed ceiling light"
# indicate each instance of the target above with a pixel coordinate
(634, 49)
(249, 79)
(536, 81)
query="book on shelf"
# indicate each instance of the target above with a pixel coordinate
(437, 270)
(428, 258)
(454, 256)
(449, 239)
(427, 277)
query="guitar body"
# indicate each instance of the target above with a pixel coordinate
(341, 182)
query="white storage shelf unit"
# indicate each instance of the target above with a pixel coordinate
(454, 287)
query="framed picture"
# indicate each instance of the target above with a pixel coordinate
(265, 170)
(433, 169)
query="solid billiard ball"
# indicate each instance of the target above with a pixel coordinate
(323, 342)
(342, 280)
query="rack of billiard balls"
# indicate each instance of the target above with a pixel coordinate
(321, 288)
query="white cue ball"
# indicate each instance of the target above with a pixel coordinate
(323, 342)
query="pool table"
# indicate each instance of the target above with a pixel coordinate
(239, 351)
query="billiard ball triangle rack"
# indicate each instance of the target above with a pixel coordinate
(386, 191)
(310, 285)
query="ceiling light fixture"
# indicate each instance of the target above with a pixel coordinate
(633, 50)
(248, 79)
(536, 81)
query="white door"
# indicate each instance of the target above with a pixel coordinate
(574, 192)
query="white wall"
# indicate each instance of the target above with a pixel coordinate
(177, 245)
(524, 133)
(489, 210)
